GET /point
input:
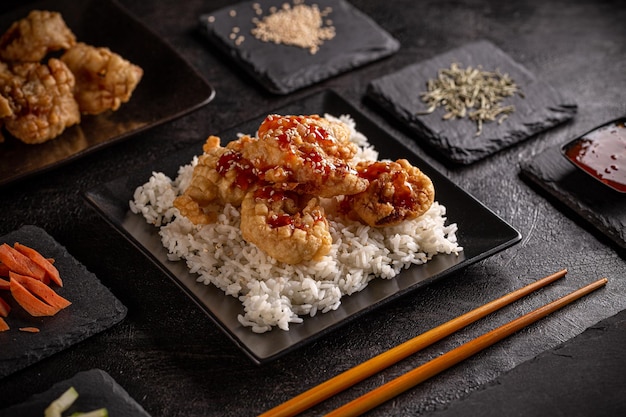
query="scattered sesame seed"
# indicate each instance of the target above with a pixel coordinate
(232, 13)
(211, 19)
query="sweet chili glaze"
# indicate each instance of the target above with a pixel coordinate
(245, 176)
(602, 154)
(275, 196)
(403, 191)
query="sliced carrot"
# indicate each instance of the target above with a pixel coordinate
(3, 325)
(4, 270)
(4, 284)
(5, 308)
(33, 305)
(29, 329)
(20, 263)
(41, 290)
(45, 264)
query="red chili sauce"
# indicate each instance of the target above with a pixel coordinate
(602, 153)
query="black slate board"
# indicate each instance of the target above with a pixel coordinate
(96, 389)
(601, 206)
(94, 308)
(541, 108)
(582, 377)
(282, 69)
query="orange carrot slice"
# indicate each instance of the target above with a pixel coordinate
(20, 263)
(29, 329)
(3, 325)
(44, 263)
(4, 270)
(4, 284)
(41, 290)
(33, 305)
(5, 308)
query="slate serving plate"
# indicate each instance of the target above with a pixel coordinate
(169, 88)
(481, 233)
(282, 69)
(601, 206)
(96, 389)
(541, 108)
(94, 308)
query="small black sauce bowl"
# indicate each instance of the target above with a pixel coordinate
(570, 146)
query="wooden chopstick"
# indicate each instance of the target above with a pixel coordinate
(429, 369)
(370, 367)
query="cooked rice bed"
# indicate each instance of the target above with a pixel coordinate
(274, 294)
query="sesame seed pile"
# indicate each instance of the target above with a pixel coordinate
(299, 25)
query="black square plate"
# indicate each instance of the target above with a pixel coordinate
(481, 233)
(542, 106)
(94, 308)
(169, 88)
(282, 69)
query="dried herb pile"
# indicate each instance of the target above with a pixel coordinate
(472, 93)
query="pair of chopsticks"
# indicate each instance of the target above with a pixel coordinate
(408, 380)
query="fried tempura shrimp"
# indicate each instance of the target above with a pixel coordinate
(285, 225)
(308, 154)
(104, 80)
(41, 100)
(221, 176)
(397, 191)
(32, 38)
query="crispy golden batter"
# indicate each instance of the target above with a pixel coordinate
(221, 176)
(33, 37)
(104, 80)
(397, 191)
(308, 154)
(285, 225)
(40, 99)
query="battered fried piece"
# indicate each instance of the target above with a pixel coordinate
(104, 80)
(397, 191)
(308, 154)
(41, 100)
(33, 37)
(221, 176)
(285, 225)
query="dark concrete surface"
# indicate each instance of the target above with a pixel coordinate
(175, 362)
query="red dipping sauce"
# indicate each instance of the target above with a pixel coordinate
(602, 154)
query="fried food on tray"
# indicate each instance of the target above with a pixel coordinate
(39, 99)
(285, 225)
(104, 80)
(33, 37)
(397, 191)
(309, 154)
(280, 178)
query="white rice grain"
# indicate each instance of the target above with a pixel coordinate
(274, 294)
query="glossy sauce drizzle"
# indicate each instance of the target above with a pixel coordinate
(403, 192)
(602, 153)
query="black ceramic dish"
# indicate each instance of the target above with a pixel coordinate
(282, 69)
(540, 108)
(169, 88)
(481, 233)
(96, 389)
(601, 153)
(94, 308)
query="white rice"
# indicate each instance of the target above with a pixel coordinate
(277, 294)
